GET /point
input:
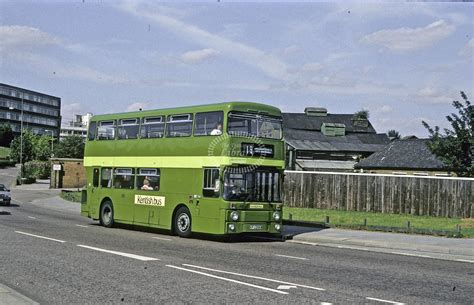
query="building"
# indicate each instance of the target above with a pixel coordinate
(320, 141)
(76, 127)
(405, 157)
(36, 111)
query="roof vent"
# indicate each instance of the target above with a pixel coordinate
(315, 111)
(333, 129)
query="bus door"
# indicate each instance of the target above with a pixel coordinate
(93, 196)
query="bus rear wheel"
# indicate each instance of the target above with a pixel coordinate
(107, 214)
(182, 222)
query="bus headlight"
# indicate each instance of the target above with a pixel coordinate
(231, 227)
(277, 216)
(277, 227)
(234, 215)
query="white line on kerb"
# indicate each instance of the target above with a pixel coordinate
(385, 301)
(409, 254)
(82, 226)
(256, 277)
(464, 260)
(289, 256)
(162, 238)
(43, 237)
(139, 257)
(31, 217)
(226, 279)
(326, 303)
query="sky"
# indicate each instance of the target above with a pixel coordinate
(403, 62)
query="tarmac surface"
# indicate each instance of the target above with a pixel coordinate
(443, 248)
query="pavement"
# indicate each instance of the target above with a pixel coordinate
(451, 249)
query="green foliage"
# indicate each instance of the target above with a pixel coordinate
(455, 146)
(71, 196)
(37, 169)
(393, 134)
(70, 147)
(361, 115)
(28, 147)
(4, 152)
(43, 147)
(6, 134)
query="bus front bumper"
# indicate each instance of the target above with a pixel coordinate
(253, 227)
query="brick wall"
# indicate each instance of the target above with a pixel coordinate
(71, 175)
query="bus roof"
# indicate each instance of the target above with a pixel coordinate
(227, 106)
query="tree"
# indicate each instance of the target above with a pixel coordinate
(361, 115)
(455, 146)
(6, 135)
(42, 147)
(393, 134)
(70, 147)
(29, 152)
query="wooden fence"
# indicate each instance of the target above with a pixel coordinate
(433, 196)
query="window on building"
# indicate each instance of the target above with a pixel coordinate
(211, 184)
(128, 129)
(106, 177)
(148, 179)
(152, 127)
(123, 178)
(180, 125)
(106, 130)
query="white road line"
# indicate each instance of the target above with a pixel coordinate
(162, 238)
(255, 277)
(43, 237)
(409, 254)
(31, 217)
(464, 260)
(139, 257)
(229, 280)
(385, 301)
(82, 226)
(289, 256)
(326, 303)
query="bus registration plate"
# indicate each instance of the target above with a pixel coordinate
(256, 227)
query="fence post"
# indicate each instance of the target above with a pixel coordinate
(327, 219)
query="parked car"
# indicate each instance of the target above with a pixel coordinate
(5, 195)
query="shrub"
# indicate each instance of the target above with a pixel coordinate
(37, 169)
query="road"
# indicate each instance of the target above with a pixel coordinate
(54, 256)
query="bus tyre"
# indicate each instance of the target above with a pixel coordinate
(182, 222)
(107, 214)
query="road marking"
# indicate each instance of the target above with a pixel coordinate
(326, 303)
(38, 236)
(229, 280)
(385, 301)
(288, 256)
(464, 260)
(31, 217)
(286, 287)
(409, 254)
(256, 277)
(162, 238)
(139, 257)
(82, 226)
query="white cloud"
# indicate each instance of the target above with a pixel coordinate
(468, 49)
(409, 39)
(267, 63)
(432, 95)
(19, 37)
(69, 110)
(312, 67)
(198, 56)
(137, 106)
(291, 49)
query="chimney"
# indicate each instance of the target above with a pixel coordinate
(315, 111)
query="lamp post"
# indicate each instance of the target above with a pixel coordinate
(52, 141)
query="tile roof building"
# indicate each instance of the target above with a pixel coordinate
(407, 156)
(317, 140)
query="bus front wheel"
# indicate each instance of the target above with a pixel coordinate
(182, 222)
(107, 214)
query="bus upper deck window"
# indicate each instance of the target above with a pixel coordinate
(92, 130)
(128, 129)
(152, 127)
(208, 123)
(180, 125)
(106, 130)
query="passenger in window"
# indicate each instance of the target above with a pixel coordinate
(146, 185)
(217, 131)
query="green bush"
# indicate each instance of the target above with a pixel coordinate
(37, 169)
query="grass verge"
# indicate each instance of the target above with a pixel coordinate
(4, 152)
(383, 222)
(71, 196)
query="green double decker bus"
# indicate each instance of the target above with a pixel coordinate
(214, 169)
